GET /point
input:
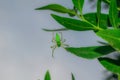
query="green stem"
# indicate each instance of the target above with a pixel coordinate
(95, 27)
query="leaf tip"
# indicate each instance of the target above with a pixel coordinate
(36, 9)
(73, 78)
(40, 8)
(53, 15)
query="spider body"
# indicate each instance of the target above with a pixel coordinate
(58, 41)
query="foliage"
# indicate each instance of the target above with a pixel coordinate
(106, 26)
(48, 76)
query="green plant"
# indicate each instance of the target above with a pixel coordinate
(48, 76)
(106, 26)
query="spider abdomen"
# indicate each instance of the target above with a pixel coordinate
(58, 40)
(59, 44)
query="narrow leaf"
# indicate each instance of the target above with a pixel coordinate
(110, 64)
(78, 4)
(113, 13)
(73, 78)
(51, 30)
(57, 8)
(90, 52)
(112, 36)
(73, 24)
(47, 76)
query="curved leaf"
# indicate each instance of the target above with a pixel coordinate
(73, 24)
(110, 64)
(47, 76)
(90, 52)
(57, 8)
(113, 13)
(112, 36)
(73, 78)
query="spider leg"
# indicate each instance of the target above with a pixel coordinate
(53, 39)
(53, 49)
(64, 45)
(62, 40)
(61, 36)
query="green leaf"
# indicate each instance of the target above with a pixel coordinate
(98, 12)
(73, 78)
(113, 13)
(90, 52)
(103, 23)
(110, 64)
(112, 36)
(57, 8)
(73, 24)
(47, 76)
(78, 4)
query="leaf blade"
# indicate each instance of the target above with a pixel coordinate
(113, 13)
(78, 4)
(47, 76)
(90, 52)
(52, 30)
(112, 36)
(73, 78)
(56, 8)
(73, 24)
(110, 64)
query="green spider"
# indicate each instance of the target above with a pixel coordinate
(59, 42)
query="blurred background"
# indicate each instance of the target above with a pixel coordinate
(25, 52)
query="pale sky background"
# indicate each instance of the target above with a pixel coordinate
(25, 52)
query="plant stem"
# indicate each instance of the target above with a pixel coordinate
(83, 19)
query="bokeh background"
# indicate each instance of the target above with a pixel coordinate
(25, 52)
